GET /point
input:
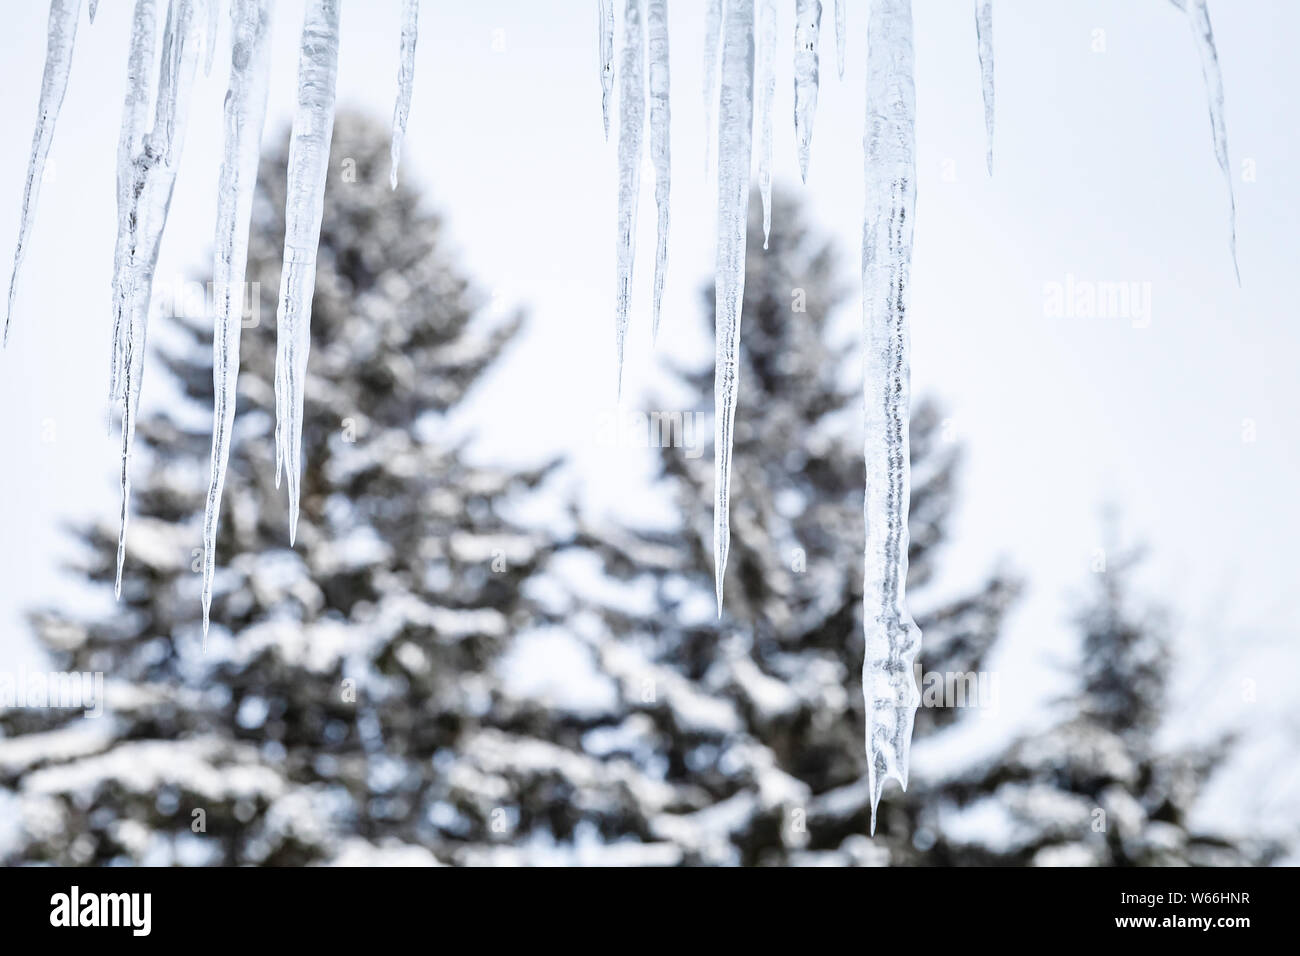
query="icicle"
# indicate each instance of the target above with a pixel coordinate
(807, 30)
(605, 28)
(61, 33)
(405, 81)
(657, 21)
(712, 37)
(94, 8)
(735, 148)
(891, 637)
(984, 37)
(1198, 18)
(245, 114)
(210, 40)
(152, 182)
(839, 36)
(140, 71)
(766, 94)
(309, 150)
(631, 123)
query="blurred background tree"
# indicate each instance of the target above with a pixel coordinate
(355, 704)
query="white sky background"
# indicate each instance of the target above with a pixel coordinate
(1104, 170)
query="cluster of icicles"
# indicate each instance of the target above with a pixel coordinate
(158, 87)
(159, 83)
(740, 44)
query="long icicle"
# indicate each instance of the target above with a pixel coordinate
(141, 71)
(1198, 18)
(61, 35)
(891, 638)
(94, 8)
(153, 181)
(631, 128)
(245, 115)
(605, 31)
(984, 38)
(766, 83)
(309, 150)
(735, 153)
(405, 81)
(657, 26)
(712, 38)
(807, 35)
(840, 36)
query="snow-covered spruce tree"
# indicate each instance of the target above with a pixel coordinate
(345, 680)
(1098, 786)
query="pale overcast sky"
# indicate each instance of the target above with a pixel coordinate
(1104, 172)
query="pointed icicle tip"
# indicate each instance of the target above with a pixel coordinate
(605, 64)
(405, 82)
(60, 37)
(631, 132)
(807, 37)
(660, 154)
(1198, 18)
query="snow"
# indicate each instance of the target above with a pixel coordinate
(54, 83)
(245, 115)
(984, 37)
(309, 147)
(657, 19)
(208, 767)
(79, 738)
(551, 666)
(807, 36)
(769, 698)
(356, 851)
(405, 81)
(319, 648)
(891, 637)
(631, 128)
(660, 689)
(735, 149)
(707, 834)
(493, 764)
